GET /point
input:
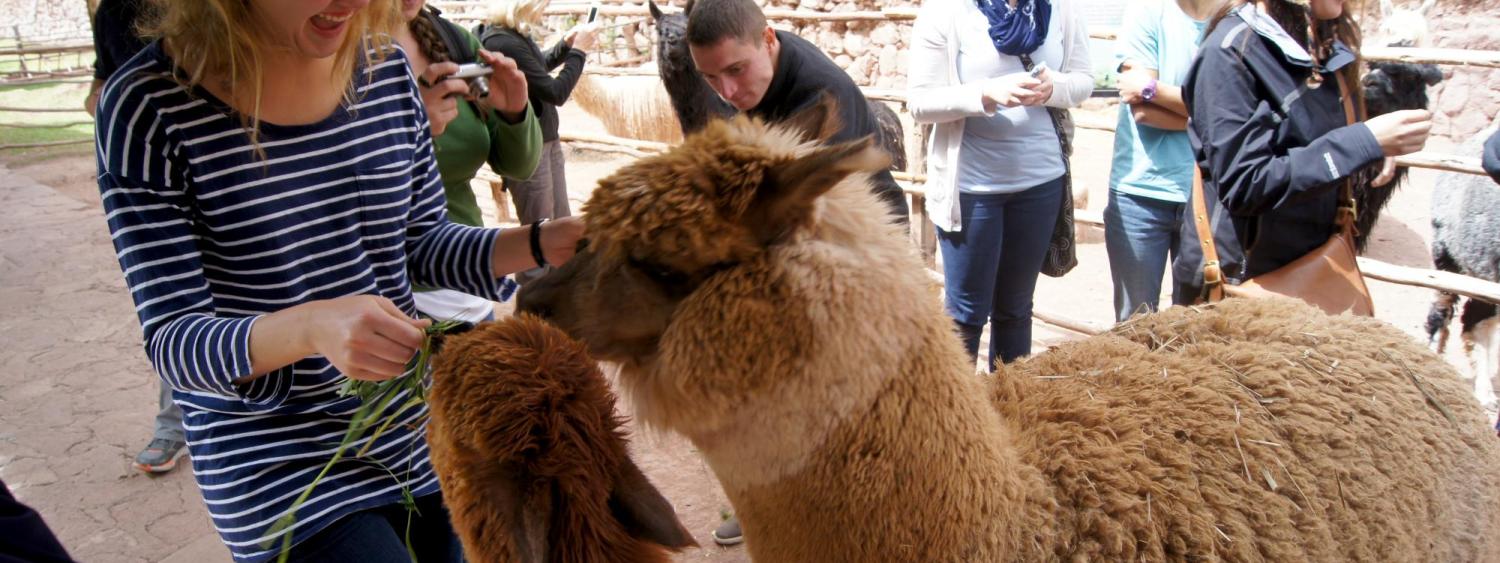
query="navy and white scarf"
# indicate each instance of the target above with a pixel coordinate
(1020, 30)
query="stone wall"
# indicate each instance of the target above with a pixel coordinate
(1468, 98)
(874, 53)
(44, 20)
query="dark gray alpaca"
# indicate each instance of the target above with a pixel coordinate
(1465, 229)
(695, 102)
(1388, 87)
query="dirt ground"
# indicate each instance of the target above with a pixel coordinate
(77, 395)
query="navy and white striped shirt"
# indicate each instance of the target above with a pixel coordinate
(211, 236)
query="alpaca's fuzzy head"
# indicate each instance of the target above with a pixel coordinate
(664, 226)
(532, 457)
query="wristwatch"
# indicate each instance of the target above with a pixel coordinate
(1149, 92)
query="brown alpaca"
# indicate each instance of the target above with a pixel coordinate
(531, 456)
(759, 305)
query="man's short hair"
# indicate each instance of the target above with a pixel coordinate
(710, 21)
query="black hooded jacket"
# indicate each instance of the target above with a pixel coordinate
(1273, 150)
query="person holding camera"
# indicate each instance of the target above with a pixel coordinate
(1270, 134)
(268, 178)
(467, 132)
(545, 194)
(986, 74)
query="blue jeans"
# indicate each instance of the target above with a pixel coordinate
(1139, 234)
(377, 535)
(991, 264)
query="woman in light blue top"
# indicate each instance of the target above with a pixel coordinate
(1153, 163)
(982, 72)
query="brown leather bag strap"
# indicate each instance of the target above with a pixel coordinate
(1347, 210)
(1213, 275)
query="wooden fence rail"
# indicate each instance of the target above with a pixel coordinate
(1374, 269)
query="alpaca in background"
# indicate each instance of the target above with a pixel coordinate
(1466, 240)
(1388, 87)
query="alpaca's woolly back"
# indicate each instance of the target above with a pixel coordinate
(1256, 431)
(531, 455)
(632, 107)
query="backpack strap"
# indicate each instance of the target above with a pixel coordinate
(452, 36)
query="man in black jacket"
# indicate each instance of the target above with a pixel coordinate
(774, 74)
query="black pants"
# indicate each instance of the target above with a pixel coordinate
(378, 535)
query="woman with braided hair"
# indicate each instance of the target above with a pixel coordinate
(1267, 124)
(467, 133)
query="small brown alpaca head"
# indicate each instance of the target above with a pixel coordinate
(664, 226)
(531, 457)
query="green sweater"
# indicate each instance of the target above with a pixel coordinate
(512, 150)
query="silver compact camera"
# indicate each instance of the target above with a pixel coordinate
(477, 75)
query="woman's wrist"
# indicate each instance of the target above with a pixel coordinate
(535, 237)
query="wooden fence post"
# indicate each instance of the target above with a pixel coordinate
(502, 201)
(20, 50)
(924, 233)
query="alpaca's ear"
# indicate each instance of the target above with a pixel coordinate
(1426, 6)
(655, 11)
(818, 122)
(1386, 8)
(786, 197)
(1431, 74)
(643, 512)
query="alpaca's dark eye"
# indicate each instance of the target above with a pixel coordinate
(671, 280)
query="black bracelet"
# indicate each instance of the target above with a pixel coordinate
(536, 244)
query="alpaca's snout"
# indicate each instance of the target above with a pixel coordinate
(534, 299)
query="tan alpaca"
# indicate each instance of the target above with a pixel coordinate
(759, 305)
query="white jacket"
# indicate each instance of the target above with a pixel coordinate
(934, 94)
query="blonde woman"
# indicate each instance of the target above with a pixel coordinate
(512, 25)
(269, 182)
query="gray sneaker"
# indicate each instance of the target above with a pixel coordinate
(160, 456)
(728, 533)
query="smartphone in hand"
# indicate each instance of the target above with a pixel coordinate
(1038, 69)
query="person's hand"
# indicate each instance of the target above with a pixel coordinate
(1131, 84)
(1401, 132)
(507, 86)
(1042, 91)
(1387, 173)
(91, 103)
(1009, 91)
(366, 337)
(583, 36)
(440, 95)
(560, 238)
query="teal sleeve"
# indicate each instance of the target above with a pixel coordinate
(1139, 34)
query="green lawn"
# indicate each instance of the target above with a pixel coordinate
(63, 96)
